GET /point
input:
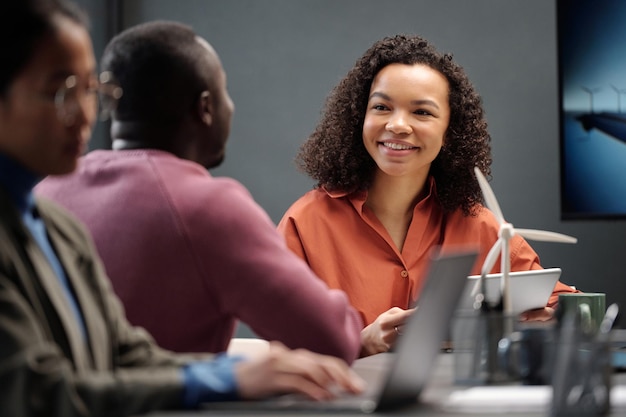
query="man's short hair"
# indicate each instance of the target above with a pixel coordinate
(162, 69)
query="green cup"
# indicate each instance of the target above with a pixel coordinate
(590, 305)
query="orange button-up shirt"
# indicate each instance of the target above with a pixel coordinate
(347, 246)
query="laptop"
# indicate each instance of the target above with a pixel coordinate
(529, 289)
(409, 369)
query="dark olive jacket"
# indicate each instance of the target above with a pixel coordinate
(46, 368)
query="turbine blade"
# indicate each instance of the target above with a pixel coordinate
(545, 236)
(490, 197)
(492, 256)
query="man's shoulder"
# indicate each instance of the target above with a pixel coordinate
(215, 189)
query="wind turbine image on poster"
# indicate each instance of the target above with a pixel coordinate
(502, 248)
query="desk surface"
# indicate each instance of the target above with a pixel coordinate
(437, 393)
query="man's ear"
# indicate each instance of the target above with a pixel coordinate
(205, 107)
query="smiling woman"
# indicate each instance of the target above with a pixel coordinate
(393, 157)
(405, 121)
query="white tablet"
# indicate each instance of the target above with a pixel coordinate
(529, 289)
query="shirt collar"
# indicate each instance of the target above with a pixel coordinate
(357, 198)
(18, 181)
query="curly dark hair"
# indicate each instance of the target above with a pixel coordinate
(334, 155)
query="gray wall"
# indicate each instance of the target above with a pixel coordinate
(283, 56)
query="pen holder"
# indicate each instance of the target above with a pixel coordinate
(475, 339)
(527, 354)
(582, 376)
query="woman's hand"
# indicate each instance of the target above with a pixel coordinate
(540, 314)
(283, 371)
(383, 332)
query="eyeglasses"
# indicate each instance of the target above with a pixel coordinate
(101, 97)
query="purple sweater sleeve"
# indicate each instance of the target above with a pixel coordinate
(258, 279)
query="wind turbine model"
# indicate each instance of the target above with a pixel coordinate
(507, 231)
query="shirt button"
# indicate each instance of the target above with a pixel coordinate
(404, 273)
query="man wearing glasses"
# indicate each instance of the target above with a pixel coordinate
(66, 348)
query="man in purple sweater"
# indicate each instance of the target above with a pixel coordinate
(187, 253)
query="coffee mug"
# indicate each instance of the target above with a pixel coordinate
(590, 308)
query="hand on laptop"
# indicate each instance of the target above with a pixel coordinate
(283, 371)
(383, 332)
(539, 314)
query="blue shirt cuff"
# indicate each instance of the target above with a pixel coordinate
(212, 380)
